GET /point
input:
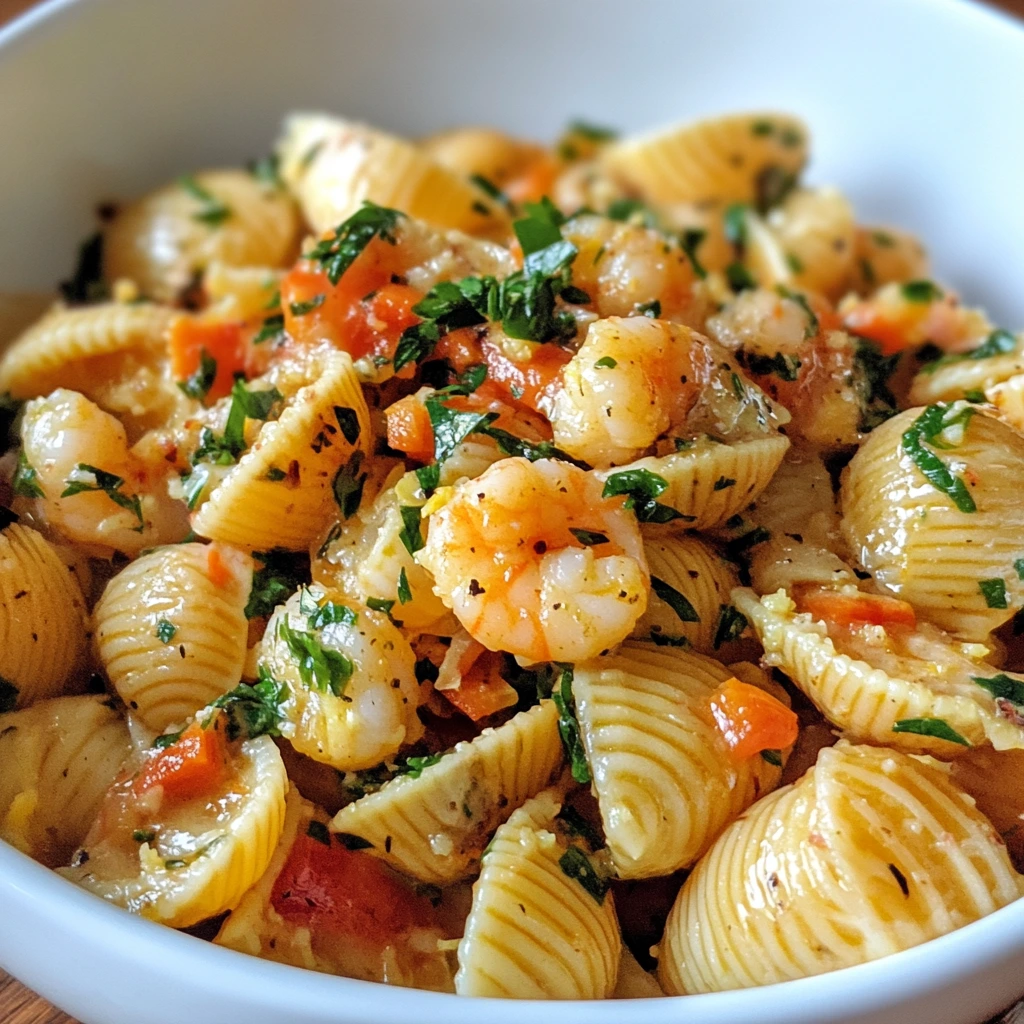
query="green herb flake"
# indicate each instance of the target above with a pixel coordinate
(641, 487)
(275, 475)
(411, 535)
(588, 538)
(739, 278)
(592, 132)
(348, 484)
(415, 766)
(773, 757)
(1003, 687)
(606, 363)
(281, 573)
(994, 592)
(25, 482)
(649, 309)
(690, 241)
(167, 739)
(8, 695)
(320, 668)
(272, 329)
(107, 483)
(874, 370)
(337, 253)
(930, 727)
(212, 212)
(165, 631)
(731, 624)
(348, 421)
(492, 190)
(267, 171)
(576, 825)
(318, 830)
(1018, 567)
(576, 864)
(801, 300)
(404, 591)
(254, 710)
(143, 835)
(568, 726)
(723, 482)
(921, 291)
(380, 604)
(302, 308)
(999, 343)
(926, 430)
(794, 263)
(675, 600)
(198, 384)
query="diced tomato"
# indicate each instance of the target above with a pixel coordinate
(193, 766)
(752, 720)
(222, 341)
(482, 691)
(216, 568)
(346, 892)
(409, 428)
(855, 609)
(365, 313)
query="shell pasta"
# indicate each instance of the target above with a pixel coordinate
(588, 570)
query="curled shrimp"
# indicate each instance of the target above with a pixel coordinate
(638, 383)
(66, 439)
(534, 561)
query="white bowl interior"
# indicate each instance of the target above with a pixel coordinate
(914, 105)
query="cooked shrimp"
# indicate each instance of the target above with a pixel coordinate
(624, 267)
(357, 705)
(65, 438)
(635, 381)
(506, 560)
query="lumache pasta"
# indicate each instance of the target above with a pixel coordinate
(571, 571)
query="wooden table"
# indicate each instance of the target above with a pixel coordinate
(17, 1004)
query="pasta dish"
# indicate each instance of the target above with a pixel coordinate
(559, 572)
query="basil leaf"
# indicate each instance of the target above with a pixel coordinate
(254, 710)
(411, 535)
(994, 592)
(1002, 687)
(930, 727)
(337, 253)
(675, 600)
(568, 726)
(921, 291)
(110, 485)
(576, 864)
(320, 668)
(641, 487)
(925, 429)
(731, 623)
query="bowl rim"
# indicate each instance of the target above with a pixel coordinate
(862, 988)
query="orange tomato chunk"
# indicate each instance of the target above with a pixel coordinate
(409, 428)
(482, 691)
(193, 766)
(221, 341)
(855, 609)
(752, 720)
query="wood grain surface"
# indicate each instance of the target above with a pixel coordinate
(17, 1004)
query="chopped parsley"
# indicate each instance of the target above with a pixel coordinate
(936, 727)
(329, 612)
(731, 624)
(337, 253)
(589, 538)
(690, 240)
(109, 484)
(877, 401)
(998, 343)
(781, 365)
(994, 592)
(165, 631)
(1003, 687)
(641, 487)
(143, 835)
(245, 404)
(8, 695)
(198, 384)
(404, 590)
(921, 291)
(348, 484)
(254, 710)
(302, 308)
(415, 766)
(272, 329)
(411, 535)
(318, 830)
(592, 132)
(267, 171)
(568, 726)
(926, 430)
(651, 309)
(773, 757)
(675, 600)
(167, 739)
(739, 278)
(281, 573)
(380, 604)
(348, 421)
(606, 363)
(1018, 566)
(491, 189)
(576, 864)
(213, 211)
(772, 185)
(320, 668)
(576, 825)
(25, 482)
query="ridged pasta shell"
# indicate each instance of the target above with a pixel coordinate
(254, 512)
(918, 544)
(333, 165)
(665, 780)
(420, 825)
(718, 159)
(162, 239)
(1008, 398)
(58, 758)
(871, 852)
(534, 932)
(815, 230)
(193, 594)
(953, 380)
(236, 854)
(700, 574)
(66, 348)
(482, 151)
(42, 616)
(375, 711)
(692, 476)
(867, 702)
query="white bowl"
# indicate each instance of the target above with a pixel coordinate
(915, 107)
